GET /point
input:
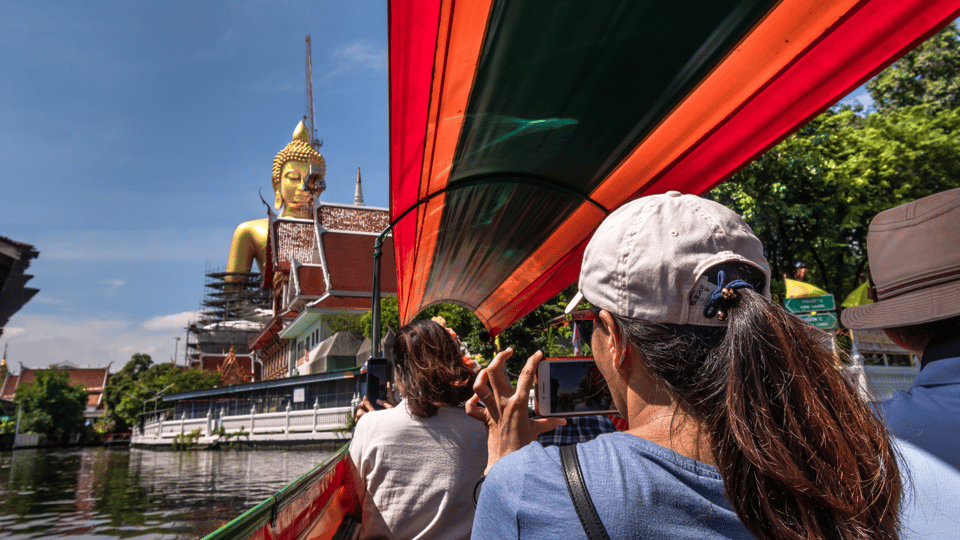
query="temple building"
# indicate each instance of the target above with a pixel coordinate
(316, 264)
(326, 276)
(93, 379)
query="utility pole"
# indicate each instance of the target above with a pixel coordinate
(176, 346)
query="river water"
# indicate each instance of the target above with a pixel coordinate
(100, 493)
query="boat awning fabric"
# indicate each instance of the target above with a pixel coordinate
(516, 126)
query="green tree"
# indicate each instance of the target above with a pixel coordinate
(51, 405)
(348, 322)
(526, 336)
(810, 199)
(121, 385)
(141, 384)
(927, 75)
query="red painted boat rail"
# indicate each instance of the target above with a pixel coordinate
(322, 504)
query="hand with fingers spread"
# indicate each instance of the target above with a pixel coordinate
(505, 411)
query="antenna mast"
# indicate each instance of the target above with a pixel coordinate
(309, 118)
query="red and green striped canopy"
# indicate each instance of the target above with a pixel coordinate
(515, 126)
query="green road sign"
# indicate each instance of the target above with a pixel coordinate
(810, 303)
(825, 321)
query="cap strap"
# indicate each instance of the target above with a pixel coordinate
(717, 305)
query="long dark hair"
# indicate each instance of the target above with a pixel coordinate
(432, 369)
(801, 454)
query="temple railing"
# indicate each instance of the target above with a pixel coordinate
(316, 424)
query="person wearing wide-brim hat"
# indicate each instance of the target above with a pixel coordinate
(914, 253)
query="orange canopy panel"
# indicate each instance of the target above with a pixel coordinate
(516, 126)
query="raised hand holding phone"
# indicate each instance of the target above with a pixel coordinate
(505, 411)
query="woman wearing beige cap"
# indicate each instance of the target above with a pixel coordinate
(740, 425)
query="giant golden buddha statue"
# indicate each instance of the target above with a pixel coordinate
(291, 168)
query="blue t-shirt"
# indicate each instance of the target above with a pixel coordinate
(928, 415)
(930, 507)
(640, 490)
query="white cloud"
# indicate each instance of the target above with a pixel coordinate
(362, 55)
(47, 300)
(113, 284)
(42, 340)
(176, 322)
(12, 331)
(356, 55)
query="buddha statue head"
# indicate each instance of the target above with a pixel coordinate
(291, 167)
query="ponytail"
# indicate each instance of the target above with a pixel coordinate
(795, 436)
(801, 454)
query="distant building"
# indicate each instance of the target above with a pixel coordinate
(234, 368)
(93, 379)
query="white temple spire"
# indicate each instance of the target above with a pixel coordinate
(358, 195)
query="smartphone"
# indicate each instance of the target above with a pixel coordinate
(378, 373)
(571, 386)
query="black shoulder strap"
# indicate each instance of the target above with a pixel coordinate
(581, 497)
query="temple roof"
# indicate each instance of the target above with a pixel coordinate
(93, 379)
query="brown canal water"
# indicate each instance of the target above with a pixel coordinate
(100, 493)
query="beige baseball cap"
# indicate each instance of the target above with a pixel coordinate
(914, 252)
(657, 259)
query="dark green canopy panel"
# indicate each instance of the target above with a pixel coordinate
(516, 125)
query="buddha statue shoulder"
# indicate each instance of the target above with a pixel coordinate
(290, 169)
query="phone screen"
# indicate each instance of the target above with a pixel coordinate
(572, 387)
(377, 377)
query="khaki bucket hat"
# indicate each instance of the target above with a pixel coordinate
(914, 252)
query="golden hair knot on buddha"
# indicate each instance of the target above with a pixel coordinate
(291, 167)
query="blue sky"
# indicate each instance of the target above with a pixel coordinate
(135, 136)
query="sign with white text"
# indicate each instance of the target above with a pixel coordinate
(810, 303)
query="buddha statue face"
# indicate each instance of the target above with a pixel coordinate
(290, 168)
(290, 194)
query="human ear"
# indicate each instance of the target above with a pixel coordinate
(278, 203)
(612, 341)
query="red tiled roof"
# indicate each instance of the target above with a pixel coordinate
(349, 258)
(7, 391)
(91, 378)
(268, 334)
(311, 281)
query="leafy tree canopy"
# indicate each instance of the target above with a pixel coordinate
(140, 386)
(928, 75)
(526, 336)
(51, 405)
(810, 199)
